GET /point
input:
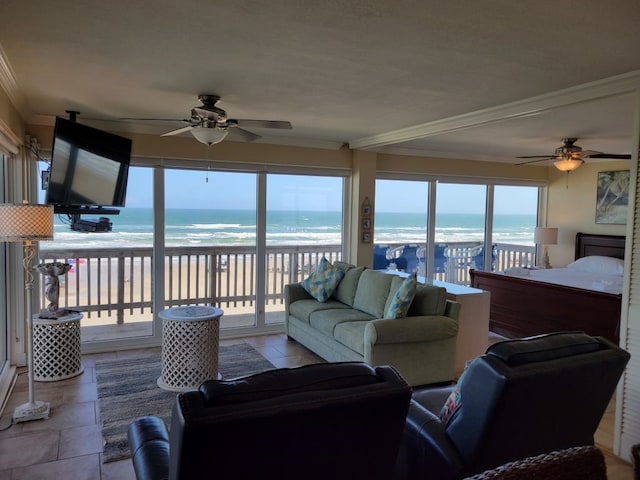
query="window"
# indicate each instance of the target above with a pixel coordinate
(303, 224)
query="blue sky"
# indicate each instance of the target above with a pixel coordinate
(190, 189)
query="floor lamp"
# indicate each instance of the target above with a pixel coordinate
(27, 224)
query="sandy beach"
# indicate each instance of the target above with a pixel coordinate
(115, 294)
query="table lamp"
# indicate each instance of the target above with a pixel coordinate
(27, 224)
(545, 236)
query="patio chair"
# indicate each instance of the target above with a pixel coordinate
(408, 261)
(477, 261)
(380, 261)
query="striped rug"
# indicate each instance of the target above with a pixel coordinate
(127, 389)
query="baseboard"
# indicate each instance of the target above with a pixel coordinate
(7, 381)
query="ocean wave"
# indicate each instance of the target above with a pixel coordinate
(214, 226)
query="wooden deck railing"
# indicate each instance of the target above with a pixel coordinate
(118, 282)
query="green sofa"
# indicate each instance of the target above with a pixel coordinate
(349, 325)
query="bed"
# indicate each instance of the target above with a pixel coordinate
(523, 306)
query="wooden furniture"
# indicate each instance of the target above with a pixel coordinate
(190, 341)
(522, 307)
(56, 347)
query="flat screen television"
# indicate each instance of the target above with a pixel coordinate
(89, 169)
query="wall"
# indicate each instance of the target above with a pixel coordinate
(572, 207)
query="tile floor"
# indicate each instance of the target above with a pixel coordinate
(69, 443)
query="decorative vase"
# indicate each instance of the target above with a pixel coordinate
(51, 272)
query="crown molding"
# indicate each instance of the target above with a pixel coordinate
(607, 87)
(9, 84)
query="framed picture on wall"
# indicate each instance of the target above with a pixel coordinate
(612, 197)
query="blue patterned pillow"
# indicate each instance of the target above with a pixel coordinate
(402, 299)
(323, 281)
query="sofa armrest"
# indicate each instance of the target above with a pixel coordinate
(452, 309)
(149, 446)
(294, 292)
(424, 328)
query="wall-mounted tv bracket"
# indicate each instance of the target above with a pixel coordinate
(72, 114)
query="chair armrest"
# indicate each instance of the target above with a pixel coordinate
(149, 446)
(426, 451)
(426, 328)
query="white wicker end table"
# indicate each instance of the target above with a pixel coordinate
(56, 347)
(190, 340)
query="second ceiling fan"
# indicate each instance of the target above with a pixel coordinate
(570, 156)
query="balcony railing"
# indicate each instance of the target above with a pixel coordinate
(117, 283)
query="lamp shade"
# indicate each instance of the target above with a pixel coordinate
(545, 236)
(25, 222)
(209, 135)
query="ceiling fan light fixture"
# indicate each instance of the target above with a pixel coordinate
(568, 164)
(209, 136)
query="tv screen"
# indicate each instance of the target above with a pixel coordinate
(89, 167)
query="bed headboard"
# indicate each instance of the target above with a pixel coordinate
(588, 244)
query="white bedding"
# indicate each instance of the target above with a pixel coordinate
(572, 278)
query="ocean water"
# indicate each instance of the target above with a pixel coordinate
(198, 227)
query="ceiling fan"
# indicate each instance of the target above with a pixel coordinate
(209, 124)
(570, 156)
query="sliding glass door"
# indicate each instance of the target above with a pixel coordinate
(210, 242)
(304, 222)
(4, 323)
(400, 225)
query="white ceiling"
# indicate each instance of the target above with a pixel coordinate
(419, 77)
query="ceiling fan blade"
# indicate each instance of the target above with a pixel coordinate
(240, 134)
(264, 123)
(620, 156)
(534, 161)
(173, 120)
(537, 156)
(178, 131)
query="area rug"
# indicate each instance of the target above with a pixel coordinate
(127, 389)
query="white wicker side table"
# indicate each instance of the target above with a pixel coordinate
(56, 348)
(190, 340)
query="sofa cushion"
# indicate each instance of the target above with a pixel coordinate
(346, 291)
(323, 281)
(325, 320)
(302, 309)
(428, 300)
(351, 334)
(372, 292)
(401, 297)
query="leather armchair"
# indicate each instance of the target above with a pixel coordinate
(321, 421)
(520, 399)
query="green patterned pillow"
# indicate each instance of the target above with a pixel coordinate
(323, 281)
(402, 299)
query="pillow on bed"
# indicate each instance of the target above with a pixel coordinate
(598, 264)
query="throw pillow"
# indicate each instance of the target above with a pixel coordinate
(598, 264)
(454, 401)
(402, 299)
(323, 281)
